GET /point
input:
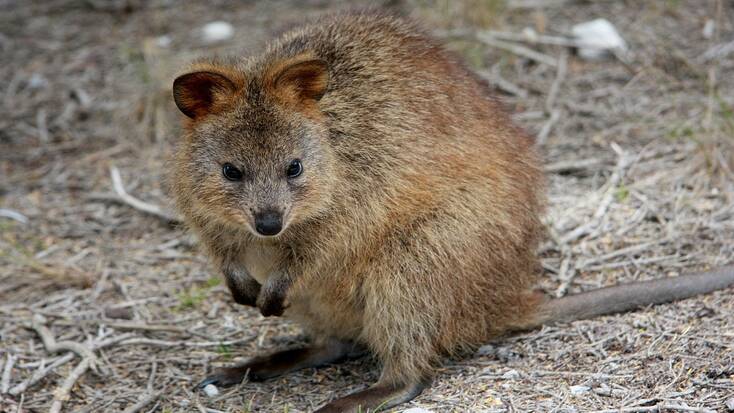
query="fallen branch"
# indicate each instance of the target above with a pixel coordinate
(548, 127)
(623, 162)
(574, 165)
(664, 407)
(62, 393)
(14, 215)
(495, 79)
(130, 200)
(7, 370)
(44, 371)
(166, 343)
(517, 49)
(556, 85)
(144, 401)
(53, 346)
(89, 361)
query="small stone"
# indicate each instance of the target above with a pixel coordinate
(730, 404)
(121, 313)
(217, 31)
(530, 34)
(163, 41)
(708, 29)
(577, 390)
(597, 38)
(37, 81)
(417, 410)
(211, 390)
(511, 375)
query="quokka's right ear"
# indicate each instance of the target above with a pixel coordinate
(200, 93)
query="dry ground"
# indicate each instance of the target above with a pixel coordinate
(640, 155)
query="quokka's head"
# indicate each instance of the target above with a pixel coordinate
(255, 152)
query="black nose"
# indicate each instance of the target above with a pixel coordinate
(268, 223)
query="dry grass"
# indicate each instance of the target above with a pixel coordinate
(640, 157)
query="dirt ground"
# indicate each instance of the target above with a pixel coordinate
(639, 151)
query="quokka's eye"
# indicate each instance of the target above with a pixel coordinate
(294, 169)
(231, 172)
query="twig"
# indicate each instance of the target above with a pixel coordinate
(717, 52)
(548, 127)
(130, 200)
(494, 78)
(556, 85)
(166, 343)
(146, 400)
(14, 215)
(555, 114)
(89, 360)
(517, 49)
(53, 346)
(534, 4)
(657, 408)
(527, 36)
(123, 325)
(572, 165)
(62, 393)
(43, 135)
(43, 372)
(7, 370)
(622, 163)
(565, 274)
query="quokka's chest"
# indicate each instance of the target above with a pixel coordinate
(261, 261)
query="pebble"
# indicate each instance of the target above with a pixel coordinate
(576, 390)
(211, 390)
(217, 31)
(511, 375)
(417, 410)
(600, 36)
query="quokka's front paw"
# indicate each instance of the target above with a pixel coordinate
(271, 300)
(243, 287)
(271, 305)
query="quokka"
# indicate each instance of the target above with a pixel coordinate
(356, 178)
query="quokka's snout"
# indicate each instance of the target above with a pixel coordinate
(268, 222)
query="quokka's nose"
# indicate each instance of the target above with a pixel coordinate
(268, 223)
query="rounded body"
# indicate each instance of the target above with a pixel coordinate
(423, 242)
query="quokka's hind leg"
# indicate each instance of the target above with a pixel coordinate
(380, 396)
(281, 362)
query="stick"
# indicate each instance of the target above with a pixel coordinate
(130, 200)
(503, 84)
(622, 163)
(62, 393)
(53, 346)
(43, 372)
(123, 325)
(547, 127)
(7, 370)
(14, 215)
(556, 86)
(146, 400)
(165, 343)
(572, 165)
(43, 135)
(657, 408)
(517, 49)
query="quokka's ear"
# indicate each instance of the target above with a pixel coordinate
(299, 80)
(202, 92)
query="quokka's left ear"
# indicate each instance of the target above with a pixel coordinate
(299, 80)
(205, 90)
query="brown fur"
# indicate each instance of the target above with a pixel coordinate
(414, 226)
(416, 230)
